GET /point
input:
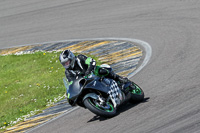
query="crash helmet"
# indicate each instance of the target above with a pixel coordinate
(67, 59)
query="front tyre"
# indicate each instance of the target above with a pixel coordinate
(106, 110)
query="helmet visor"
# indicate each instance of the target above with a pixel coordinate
(66, 64)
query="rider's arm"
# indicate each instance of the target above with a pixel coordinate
(70, 75)
(91, 63)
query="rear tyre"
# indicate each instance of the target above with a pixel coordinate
(94, 106)
(137, 94)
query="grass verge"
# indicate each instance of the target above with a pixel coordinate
(29, 83)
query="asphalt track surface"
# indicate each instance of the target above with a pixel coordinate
(171, 78)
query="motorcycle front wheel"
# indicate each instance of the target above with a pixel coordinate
(105, 110)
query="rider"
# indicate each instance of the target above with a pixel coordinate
(83, 65)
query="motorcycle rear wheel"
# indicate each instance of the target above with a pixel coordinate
(137, 95)
(106, 111)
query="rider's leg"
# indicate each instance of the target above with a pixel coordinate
(99, 71)
(126, 84)
(108, 73)
(119, 78)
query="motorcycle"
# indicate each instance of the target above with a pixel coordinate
(101, 95)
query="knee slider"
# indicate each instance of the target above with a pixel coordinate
(103, 71)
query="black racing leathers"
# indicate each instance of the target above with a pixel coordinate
(83, 66)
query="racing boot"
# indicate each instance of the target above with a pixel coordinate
(124, 82)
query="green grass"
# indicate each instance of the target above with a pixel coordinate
(29, 82)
